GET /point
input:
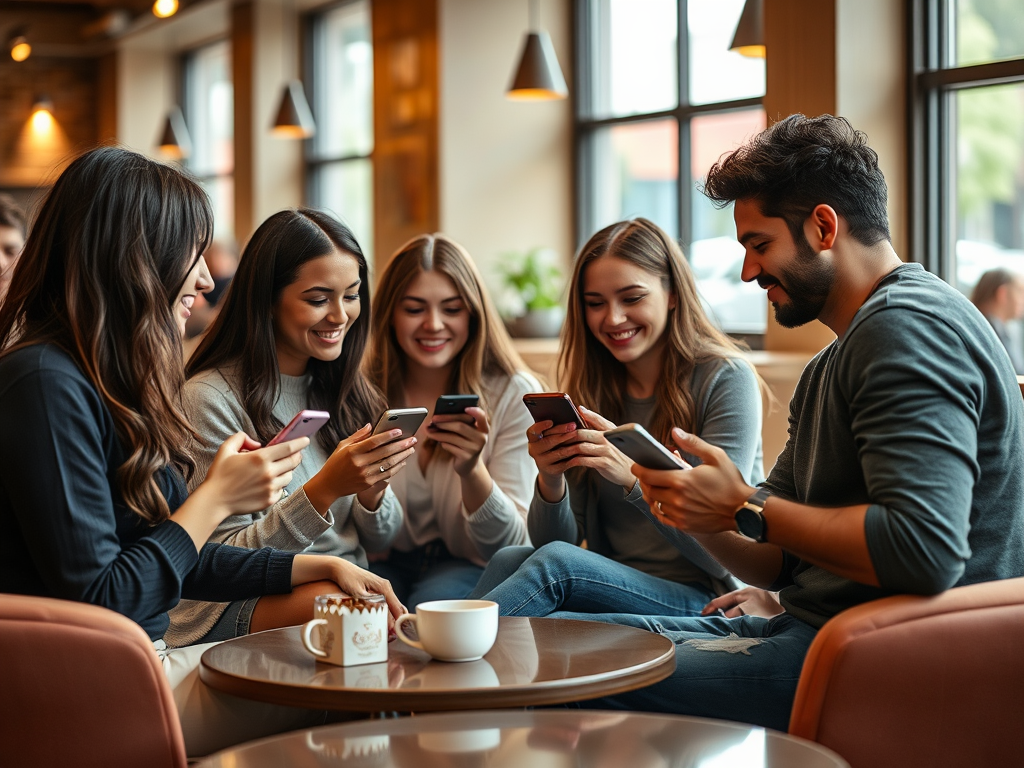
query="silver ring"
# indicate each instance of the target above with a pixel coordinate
(383, 469)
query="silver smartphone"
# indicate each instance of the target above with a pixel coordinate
(406, 419)
(637, 443)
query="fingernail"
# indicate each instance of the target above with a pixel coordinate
(679, 433)
(414, 441)
(395, 432)
(572, 428)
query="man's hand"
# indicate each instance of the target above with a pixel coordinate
(699, 500)
(749, 601)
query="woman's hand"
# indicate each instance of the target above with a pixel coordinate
(245, 478)
(464, 437)
(596, 452)
(362, 464)
(749, 601)
(547, 444)
(350, 578)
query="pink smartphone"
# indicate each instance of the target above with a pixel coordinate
(305, 424)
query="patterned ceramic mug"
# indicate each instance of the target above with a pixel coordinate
(353, 630)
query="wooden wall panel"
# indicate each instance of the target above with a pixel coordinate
(243, 24)
(405, 115)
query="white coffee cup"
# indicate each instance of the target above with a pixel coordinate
(452, 630)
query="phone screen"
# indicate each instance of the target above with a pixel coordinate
(556, 407)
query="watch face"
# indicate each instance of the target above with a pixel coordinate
(750, 524)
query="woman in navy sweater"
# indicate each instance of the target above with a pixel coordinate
(94, 447)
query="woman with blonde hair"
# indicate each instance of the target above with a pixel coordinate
(436, 332)
(636, 347)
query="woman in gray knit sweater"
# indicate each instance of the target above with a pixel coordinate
(291, 336)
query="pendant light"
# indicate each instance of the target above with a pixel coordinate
(294, 119)
(19, 46)
(538, 76)
(749, 37)
(175, 141)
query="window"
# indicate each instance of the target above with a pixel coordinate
(968, 137)
(660, 98)
(209, 114)
(340, 170)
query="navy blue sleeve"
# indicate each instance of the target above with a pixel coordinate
(225, 573)
(56, 440)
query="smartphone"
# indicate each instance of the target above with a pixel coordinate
(448, 405)
(556, 407)
(637, 443)
(406, 419)
(305, 424)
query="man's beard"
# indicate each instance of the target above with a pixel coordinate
(807, 283)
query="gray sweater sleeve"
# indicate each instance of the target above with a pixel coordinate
(556, 522)
(731, 410)
(377, 528)
(914, 417)
(292, 524)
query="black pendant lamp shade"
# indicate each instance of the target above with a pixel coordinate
(749, 37)
(538, 76)
(175, 141)
(294, 119)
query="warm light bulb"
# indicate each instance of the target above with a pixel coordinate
(164, 8)
(20, 49)
(42, 121)
(750, 51)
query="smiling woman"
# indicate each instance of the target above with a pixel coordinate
(291, 337)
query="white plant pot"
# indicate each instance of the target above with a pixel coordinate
(537, 324)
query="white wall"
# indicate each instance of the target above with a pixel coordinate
(871, 93)
(506, 167)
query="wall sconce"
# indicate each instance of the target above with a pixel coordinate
(538, 76)
(42, 115)
(294, 118)
(175, 141)
(164, 9)
(749, 37)
(19, 46)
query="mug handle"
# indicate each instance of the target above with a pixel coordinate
(405, 638)
(307, 640)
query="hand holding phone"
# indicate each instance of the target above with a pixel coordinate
(637, 443)
(406, 419)
(304, 424)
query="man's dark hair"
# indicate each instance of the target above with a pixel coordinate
(801, 162)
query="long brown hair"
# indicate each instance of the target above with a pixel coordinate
(488, 354)
(590, 373)
(115, 239)
(243, 334)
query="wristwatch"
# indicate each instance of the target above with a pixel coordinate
(750, 517)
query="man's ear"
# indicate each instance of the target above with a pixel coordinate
(822, 227)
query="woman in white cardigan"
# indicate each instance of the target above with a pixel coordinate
(466, 492)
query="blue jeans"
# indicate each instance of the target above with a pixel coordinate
(751, 677)
(561, 577)
(428, 573)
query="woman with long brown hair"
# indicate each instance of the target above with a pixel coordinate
(290, 336)
(636, 347)
(94, 442)
(436, 332)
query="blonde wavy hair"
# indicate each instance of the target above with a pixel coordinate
(590, 373)
(488, 354)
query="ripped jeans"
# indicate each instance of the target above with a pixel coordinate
(750, 678)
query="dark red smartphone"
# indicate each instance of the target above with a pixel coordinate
(556, 407)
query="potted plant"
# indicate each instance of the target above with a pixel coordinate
(532, 293)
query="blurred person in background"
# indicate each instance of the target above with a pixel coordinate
(12, 240)
(999, 295)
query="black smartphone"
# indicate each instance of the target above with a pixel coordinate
(453, 405)
(556, 407)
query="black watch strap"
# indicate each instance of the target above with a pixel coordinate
(750, 517)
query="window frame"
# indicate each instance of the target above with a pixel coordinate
(932, 84)
(315, 162)
(585, 126)
(186, 59)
